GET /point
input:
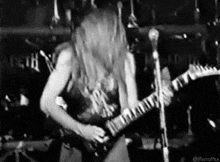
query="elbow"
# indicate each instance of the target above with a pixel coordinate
(44, 105)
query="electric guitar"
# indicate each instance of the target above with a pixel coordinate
(115, 126)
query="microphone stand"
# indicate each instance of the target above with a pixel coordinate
(132, 18)
(153, 36)
(119, 6)
(56, 16)
(216, 11)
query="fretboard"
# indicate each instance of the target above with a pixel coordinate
(130, 115)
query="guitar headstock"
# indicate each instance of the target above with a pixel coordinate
(199, 71)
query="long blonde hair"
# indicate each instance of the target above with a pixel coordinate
(100, 40)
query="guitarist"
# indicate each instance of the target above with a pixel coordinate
(95, 75)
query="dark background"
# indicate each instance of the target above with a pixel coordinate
(176, 52)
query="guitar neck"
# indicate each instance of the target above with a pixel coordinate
(117, 124)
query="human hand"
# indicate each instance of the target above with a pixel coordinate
(167, 96)
(166, 80)
(93, 133)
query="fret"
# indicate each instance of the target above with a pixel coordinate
(132, 115)
(111, 128)
(134, 112)
(144, 106)
(141, 107)
(115, 127)
(126, 116)
(186, 78)
(150, 100)
(138, 112)
(148, 105)
(122, 119)
(179, 83)
(183, 81)
(155, 100)
(121, 122)
(175, 85)
(118, 124)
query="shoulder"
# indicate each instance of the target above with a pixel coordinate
(62, 46)
(67, 62)
(64, 52)
(65, 56)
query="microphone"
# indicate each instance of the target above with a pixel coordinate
(153, 36)
(119, 5)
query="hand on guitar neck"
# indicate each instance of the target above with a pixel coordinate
(166, 80)
(167, 96)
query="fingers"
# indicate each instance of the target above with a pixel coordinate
(167, 95)
(167, 102)
(167, 92)
(105, 139)
(99, 139)
(99, 135)
(99, 131)
(95, 134)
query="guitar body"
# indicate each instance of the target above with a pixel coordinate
(93, 152)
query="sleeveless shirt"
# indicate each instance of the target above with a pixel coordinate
(92, 105)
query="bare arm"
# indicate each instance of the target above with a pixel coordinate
(132, 96)
(55, 85)
(130, 71)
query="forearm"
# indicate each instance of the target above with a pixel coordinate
(130, 72)
(89, 132)
(60, 116)
(133, 98)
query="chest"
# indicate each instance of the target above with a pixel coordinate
(90, 103)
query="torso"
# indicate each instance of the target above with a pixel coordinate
(93, 103)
